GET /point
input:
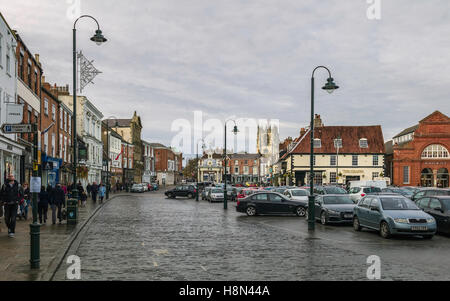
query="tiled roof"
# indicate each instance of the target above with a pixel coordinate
(244, 156)
(157, 145)
(121, 122)
(350, 136)
(407, 131)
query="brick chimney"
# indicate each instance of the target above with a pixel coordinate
(36, 57)
(302, 132)
(317, 121)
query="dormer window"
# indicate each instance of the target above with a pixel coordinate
(363, 143)
(338, 143)
(317, 143)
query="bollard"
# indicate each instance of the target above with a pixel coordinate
(72, 211)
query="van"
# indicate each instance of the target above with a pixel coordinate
(368, 183)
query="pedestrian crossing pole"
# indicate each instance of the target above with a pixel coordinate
(35, 226)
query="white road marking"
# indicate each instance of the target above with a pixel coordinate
(203, 268)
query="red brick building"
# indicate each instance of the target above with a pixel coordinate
(421, 153)
(243, 168)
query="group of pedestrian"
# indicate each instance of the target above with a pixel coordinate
(15, 200)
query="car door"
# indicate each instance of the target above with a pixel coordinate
(435, 210)
(279, 204)
(261, 202)
(374, 213)
(318, 206)
(362, 211)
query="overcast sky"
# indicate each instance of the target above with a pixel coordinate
(250, 58)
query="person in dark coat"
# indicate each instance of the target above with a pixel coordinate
(44, 198)
(88, 189)
(57, 201)
(94, 191)
(10, 195)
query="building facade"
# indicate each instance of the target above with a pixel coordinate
(112, 155)
(244, 168)
(166, 164)
(89, 128)
(149, 174)
(341, 154)
(268, 142)
(421, 153)
(210, 167)
(12, 154)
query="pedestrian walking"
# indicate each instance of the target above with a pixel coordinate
(11, 194)
(101, 192)
(44, 197)
(57, 201)
(83, 198)
(26, 201)
(88, 189)
(94, 191)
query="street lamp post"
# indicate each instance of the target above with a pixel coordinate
(98, 38)
(235, 131)
(203, 146)
(330, 86)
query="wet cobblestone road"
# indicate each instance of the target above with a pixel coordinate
(149, 237)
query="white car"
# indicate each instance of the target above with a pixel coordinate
(137, 188)
(216, 195)
(357, 193)
(145, 185)
(297, 194)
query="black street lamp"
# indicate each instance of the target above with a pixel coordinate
(235, 131)
(203, 147)
(99, 39)
(330, 86)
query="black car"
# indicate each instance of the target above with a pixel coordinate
(439, 208)
(269, 203)
(182, 190)
(334, 208)
(429, 192)
(321, 190)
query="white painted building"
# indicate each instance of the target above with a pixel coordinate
(10, 151)
(149, 174)
(89, 127)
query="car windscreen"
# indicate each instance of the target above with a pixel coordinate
(136, 185)
(248, 192)
(299, 192)
(400, 203)
(216, 191)
(446, 203)
(330, 200)
(334, 190)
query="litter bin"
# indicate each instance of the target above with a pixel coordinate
(72, 211)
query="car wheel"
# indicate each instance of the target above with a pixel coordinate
(171, 195)
(190, 195)
(300, 211)
(356, 225)
(251, 211)
(323, 218)
(427, 236)
(384, 230)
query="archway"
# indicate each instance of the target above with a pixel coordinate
(426, 177)
(442, 178)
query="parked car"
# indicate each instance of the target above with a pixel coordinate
(333, 208)
(215, 195)
(430, 192)
(439, 208)
(205, 191)
(356, 193)
(322, 190)
(145, 185)
(279, 189)
(299, 195)
(155, 186)
(405, 192)
(246, 192)
(265, 202)
(182, 190)
(393, 215)
(137, 188)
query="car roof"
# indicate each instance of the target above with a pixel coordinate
(334, 194)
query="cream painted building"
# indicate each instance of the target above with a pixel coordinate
(341, 154)
(210, 167)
